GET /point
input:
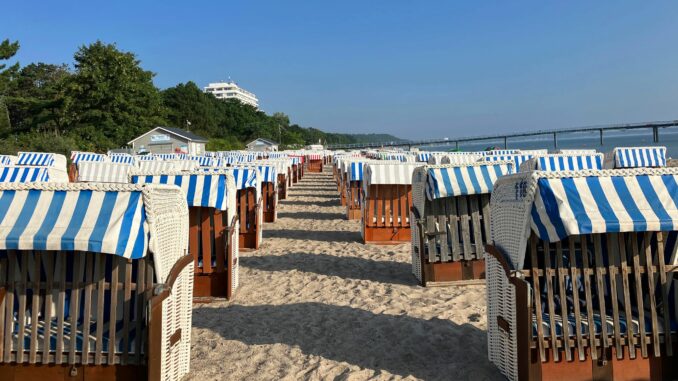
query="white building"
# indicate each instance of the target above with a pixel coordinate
(231, 90)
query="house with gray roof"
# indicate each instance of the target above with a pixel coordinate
(168, 140)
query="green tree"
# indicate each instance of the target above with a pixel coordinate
(111, 94)
(7, 50)
(36, 98)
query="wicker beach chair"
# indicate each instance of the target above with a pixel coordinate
(213, 226)
(353, 188)
(451, 220)
(635, 157)
(54, 163)
(248, 205)
(387, 199)
(78, 157)
(581, 278)
(95, 282)
(268, 177)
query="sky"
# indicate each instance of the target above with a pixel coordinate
(426, 69)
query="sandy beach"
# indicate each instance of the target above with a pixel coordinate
(315, 304)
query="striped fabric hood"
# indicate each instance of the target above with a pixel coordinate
(77, 157)
(552, 163)
(103, 172)
(13, 174)
(636, 157)
(453, 180)
(202, 188)
(556, 205)
(72, 218)
(388, 174)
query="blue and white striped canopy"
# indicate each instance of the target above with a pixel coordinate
(5, 160)
(166, 156)
(122, 159)
(355, 171)
(569, 162)
(501, 152)
(635, 157)
(245, 177)
(424, 156)
(268, 174)
(109, 222)
(203, 161)
(145, 158)
(613, 201)
(516, 159)
(295, 160)
(24, 174)
(41, 159)
(201, 189)
(77, 157)
(450, 181)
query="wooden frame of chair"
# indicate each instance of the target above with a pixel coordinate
(211, 243)
(250, 221)
(343, 189)
(282, 186)
(295, 173)
(132, 336)
(628, 267)
(269, 201)
(72, 172)
(467, 220)
(385, 214)
(353, 195)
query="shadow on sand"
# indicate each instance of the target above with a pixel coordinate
(312, 215)
(330, 202)
(343, 267)
(314, 235)
(400, 344)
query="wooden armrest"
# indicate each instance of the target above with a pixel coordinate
(162, 291)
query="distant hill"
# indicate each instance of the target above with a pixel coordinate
(333, 138)
(374, 138)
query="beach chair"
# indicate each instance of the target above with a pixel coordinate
(78, 157)
(103, 172)
(353, 192)
(315, 162)
(387, 200)
(581, 278)
(297, 168)
(95, 282)
(635, 157)
(451, 220)
(248, 206)
(55, 164)
(269, 191)
(563, 162)
(213, 226)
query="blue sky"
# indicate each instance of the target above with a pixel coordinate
(413, 69)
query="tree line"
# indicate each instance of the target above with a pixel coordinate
(105, 99)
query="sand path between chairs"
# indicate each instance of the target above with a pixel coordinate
(315, 304)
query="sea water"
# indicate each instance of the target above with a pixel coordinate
(579, 140)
